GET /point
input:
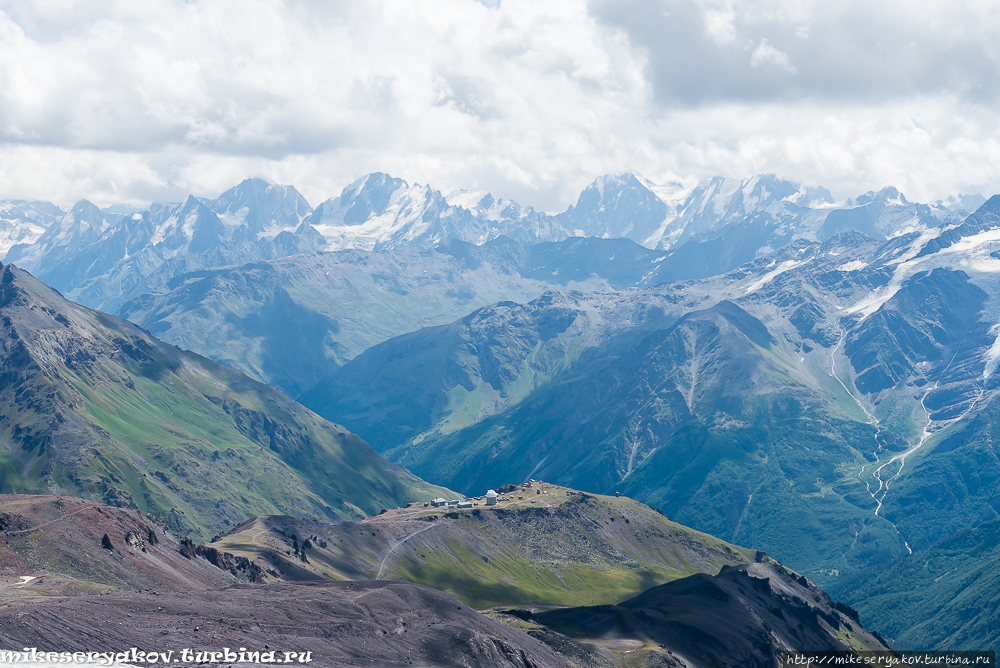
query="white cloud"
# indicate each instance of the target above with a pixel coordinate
(765, 54)
(126, 101)
(719, 26)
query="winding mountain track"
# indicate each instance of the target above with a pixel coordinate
(381, 566)
(45, 524)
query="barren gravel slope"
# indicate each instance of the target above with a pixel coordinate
(341, 623)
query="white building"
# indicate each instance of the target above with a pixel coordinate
(491, 498)
(438, 502)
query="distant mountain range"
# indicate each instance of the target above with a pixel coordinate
(425, 257)
(102, 258)
(23, 222)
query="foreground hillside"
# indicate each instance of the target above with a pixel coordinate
(55, 546)
(618, 562)
(338, 623)
(93, 406)
(740, 618)
(586, 573)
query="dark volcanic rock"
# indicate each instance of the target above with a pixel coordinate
(341, 623)
(745, 617)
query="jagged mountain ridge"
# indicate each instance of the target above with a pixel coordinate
(23, 222)
(103, 259)
(96, 407)
(745, 616)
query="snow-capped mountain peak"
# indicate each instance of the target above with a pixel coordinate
(616, 205)
(267, 209)
(23, 222)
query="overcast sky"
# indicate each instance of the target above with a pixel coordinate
(124, 101)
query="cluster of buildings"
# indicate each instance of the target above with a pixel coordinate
(491, 497)
(454, 503)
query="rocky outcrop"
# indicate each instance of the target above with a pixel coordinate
(241, 567)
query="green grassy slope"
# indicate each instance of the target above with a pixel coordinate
(94, 406)
(946, 596)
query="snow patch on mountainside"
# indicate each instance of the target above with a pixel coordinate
(853, 265)
(960, 254)
(993, 354)
(466, 199)
(787, 265)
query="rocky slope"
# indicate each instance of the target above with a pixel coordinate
(745, 616)
(91, 405)
(55, 546)
(337, 623)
